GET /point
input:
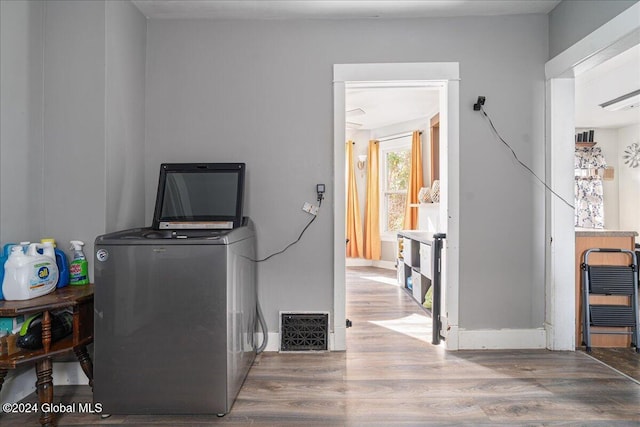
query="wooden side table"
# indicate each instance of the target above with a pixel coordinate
(80, 300)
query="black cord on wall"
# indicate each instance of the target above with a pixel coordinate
(295, 241)
(290, 244)
(527, 168)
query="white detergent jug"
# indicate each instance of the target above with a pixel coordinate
(30, 275)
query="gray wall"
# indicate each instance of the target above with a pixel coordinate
(261, 92)
(72, 120)
(94, 119)
(125, 90)
(72, 124)
(572, 20)
(21, 112)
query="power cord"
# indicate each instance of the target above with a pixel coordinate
(260, 317)
(320, 189)
(290, 244)
(479, 107)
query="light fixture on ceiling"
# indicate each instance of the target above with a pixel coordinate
(355, 112)
(624, 102)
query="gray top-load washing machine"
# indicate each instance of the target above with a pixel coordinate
(175, 303)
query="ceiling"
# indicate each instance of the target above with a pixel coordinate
(375, 107)
(618, 76)
(345, 9)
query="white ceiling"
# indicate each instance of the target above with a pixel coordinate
(616, 77)
(384, 106)
(344, 9)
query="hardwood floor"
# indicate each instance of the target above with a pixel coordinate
(392, 376)
(625, 360)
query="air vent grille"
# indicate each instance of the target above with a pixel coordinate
(304, 331)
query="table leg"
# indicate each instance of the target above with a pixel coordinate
(85, 362)
(3, 373)
(46, 331)
(44, 384)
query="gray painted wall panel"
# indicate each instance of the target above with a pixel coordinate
(21, 202)
(66, 104)
(572, 20)
(74, 126)
(261, 92)
(52, 125)
(126, 31)
(94, 119)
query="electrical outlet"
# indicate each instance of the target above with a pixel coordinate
(320, 189)
(309, 208)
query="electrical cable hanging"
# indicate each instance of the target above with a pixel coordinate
(263, 325)
(260, 317)
(522, 163)
(290, 244)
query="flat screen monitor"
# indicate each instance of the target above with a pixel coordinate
(199, 196)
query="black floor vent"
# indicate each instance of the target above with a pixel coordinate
(304, 331)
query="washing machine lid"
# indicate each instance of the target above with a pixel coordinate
(199, 196)
(151, 236)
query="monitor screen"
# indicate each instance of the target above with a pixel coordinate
(199, 196)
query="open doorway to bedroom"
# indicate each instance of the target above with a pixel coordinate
(374, 146)
(392, 156)
(383, 121)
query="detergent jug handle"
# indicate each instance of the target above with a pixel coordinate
(16, 251)
(47, 250)
(33, 249)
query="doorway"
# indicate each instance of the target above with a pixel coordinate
(447, 75)
(389, 113)
(617, 35)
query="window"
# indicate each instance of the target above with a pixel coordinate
(395, 164)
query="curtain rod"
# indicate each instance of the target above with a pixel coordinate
(402, 135)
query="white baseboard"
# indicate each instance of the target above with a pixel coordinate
(20, 383)
(361, 262)
(69, 373)
(337, 340)
(559, 343)
(494, 339)
(358, 262)
(274, 341)
(389, 265)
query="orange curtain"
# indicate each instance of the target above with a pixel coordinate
(354, 223)
(415, 183)
(372, 245)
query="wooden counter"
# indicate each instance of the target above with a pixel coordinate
(588, 239)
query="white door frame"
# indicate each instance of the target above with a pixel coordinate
(612, 38)
(448, 73)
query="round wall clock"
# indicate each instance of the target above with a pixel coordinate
(632, 155)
